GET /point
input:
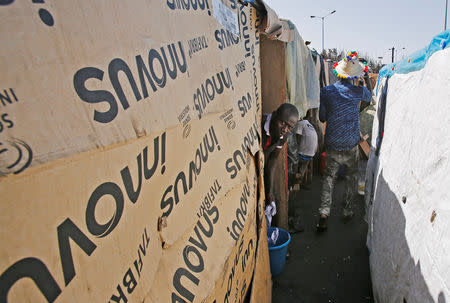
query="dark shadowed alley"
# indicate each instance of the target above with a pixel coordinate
(331, 267)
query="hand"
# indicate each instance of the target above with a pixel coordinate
(281, 141)
(270, 198)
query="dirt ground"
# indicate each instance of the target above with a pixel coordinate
(332, 267)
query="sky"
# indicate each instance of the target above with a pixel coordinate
(369, 27)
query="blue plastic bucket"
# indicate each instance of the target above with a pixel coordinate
(277, 251)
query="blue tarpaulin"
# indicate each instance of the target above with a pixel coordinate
(417, 60)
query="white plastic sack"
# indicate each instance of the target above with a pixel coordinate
(270, 211)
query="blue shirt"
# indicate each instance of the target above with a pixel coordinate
(339, 107)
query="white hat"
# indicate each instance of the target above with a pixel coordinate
(350, 67)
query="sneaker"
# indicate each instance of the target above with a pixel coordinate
(322, 225)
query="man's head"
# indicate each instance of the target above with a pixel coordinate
(284, 119)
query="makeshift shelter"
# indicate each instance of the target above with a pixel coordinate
(130, 153)
(407, 179)
(288, 74)
(321, 68)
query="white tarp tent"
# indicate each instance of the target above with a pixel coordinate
(407, 179)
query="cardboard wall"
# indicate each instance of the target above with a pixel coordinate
(128, 160)
(104, 74)
(262, 282)
(273, 73)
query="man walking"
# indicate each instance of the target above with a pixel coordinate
(339, 108)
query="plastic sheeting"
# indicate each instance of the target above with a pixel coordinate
(302, 81)
(273, 27)
(407, 183)
(320, 68)
(417, 60)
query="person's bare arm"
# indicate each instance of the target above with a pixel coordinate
(269, 173)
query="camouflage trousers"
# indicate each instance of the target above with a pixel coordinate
(334, 160)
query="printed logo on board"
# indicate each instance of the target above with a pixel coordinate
(35, 269)
(225, 38)
(210, 89)
(7, 98)
(236, 289)
(245, 104)
(255, 78)
(231, 125)
(130, 280)
(186, 131)
(189, 5)
(209, 199)
(193, 256)
(15, 156)
(227, 117)
(238, 159)
(44, 14)
(187, 178)
(240, 68)
(155, 72)
(197, 44)
(238, 223)
(184, 118)
(244, 23)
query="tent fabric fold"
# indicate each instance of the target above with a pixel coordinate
(301, 76)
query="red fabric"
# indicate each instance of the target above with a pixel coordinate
(269, 140)
(286, 174)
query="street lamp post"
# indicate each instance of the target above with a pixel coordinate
(445, 22)
(404, 51)
(323, 25)
(393, 51)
